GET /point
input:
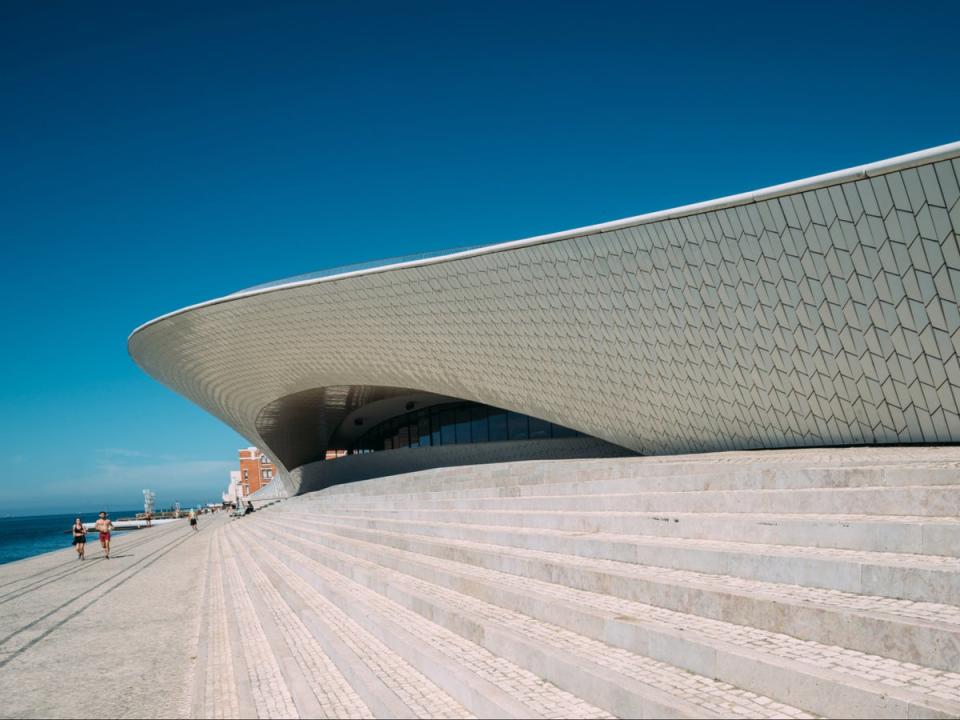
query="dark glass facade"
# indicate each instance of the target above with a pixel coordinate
(458, 423)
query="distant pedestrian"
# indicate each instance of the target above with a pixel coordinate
(193, 520)
(104, 526)
(79, 537)
(249, 508)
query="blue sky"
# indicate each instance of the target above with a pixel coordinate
(157, 154)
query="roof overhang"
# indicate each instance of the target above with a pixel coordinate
(717, 325)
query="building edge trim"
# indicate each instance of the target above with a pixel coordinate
(816, 182)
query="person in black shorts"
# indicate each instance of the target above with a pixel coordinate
(79, 537)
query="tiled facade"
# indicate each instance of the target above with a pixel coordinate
(823, 313)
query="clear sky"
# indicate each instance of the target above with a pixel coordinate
(157, 154)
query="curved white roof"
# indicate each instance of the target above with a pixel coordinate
(859, 172)
(817, 312)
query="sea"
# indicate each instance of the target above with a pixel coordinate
(23, 537)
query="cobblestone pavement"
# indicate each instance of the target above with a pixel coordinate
(335, 698)
(422, 697)
(924, 681)
(304, 611)
(104, 638)
(710, 695)
(220, 696)
(542, 698)
(270, 693)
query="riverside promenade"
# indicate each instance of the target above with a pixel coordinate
(785, 584)
(105, 638)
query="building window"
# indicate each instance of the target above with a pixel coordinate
(463, 425)
(478, 424)
(423, 428)
(458, 423)
(518, 426)
(435, 426)
(246, 474)
(498, 426)
(448, 426)
(539, 429)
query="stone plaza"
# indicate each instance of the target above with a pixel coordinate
(778, 584)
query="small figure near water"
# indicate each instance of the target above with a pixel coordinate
(249, 508)
(104, 526)
(193, 520)
(79, 537)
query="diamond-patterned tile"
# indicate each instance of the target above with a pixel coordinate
(828, 316)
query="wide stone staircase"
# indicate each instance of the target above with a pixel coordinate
(772, 584)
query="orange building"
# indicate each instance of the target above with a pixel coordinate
(256, 470)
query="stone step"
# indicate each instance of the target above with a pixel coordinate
(923, 633)
(790, 468)
(926, 501)
(217, 684)
(819, 677)
(922, 578)
(367, 678)
(485, 684)
(318, 688)
(257, 671)
(874, 533)
(622, 682)
(534, 483)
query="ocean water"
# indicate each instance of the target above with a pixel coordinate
(23, 537)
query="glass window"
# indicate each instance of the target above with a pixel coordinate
(453, 424)
(448, 426)
(478, 424)
(390, 431)
(423, 428)
(463, 424)
(539, 429)
(434, 426)
(517, 426)
(498, 425)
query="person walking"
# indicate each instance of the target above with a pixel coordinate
(79, 537)
(104, 526)
(193, 520)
